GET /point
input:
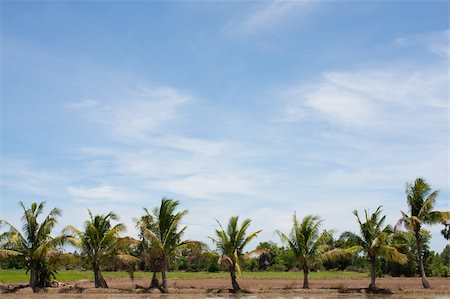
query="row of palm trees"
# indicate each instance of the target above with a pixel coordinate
(161, 235)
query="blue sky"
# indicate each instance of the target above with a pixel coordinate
(256, 109)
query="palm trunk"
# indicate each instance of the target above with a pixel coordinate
(425, 282)
(305, 275)
(234, 284)
(99, 281)
(33, 276)
(164, 282)
(373, 273)
(155, 282)
(164, 267)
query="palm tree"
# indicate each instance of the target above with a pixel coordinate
(149, 256)
(421, 200)
(308, 245)
(375, 241)
(164, 234)
(99, 240)
(34, 243)
(231, 243)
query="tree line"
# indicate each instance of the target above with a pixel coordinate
(160, 246)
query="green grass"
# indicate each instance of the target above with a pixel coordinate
(67, 275)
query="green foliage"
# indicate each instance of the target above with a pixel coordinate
(305, 241)
(445, 255)
(160, 232)
(421, 200)
(100, 241)
(251, 264)
(308, 245)
(35, 244)
(375, 242)
(231, 243)
(446, 231)
(409, 269)
(161, 237)
(195, 257)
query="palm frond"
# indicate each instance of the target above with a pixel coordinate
(340, 253)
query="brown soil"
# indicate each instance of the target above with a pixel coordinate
(211, 287)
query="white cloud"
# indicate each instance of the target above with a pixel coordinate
(268, 15)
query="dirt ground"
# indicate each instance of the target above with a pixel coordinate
(216, 287)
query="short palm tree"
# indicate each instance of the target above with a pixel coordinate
(34, 243)
(375, 241)
(164, 234)
(99, 240)
(231, 243)
(149, 256)
(308, 244)
(421, 200)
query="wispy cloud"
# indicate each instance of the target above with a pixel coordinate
(373, 98)
(134, 115)
(103, 193)
(188, 167)
(269, 15)
(82, 104)
(437, 42)
(22, 176)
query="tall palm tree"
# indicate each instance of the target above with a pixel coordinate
(231, 243)
(421, 200)
(34, 243)
(375, 241)
(308, 244)
(164, 234)
(99, 240)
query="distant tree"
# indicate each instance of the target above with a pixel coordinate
(100, 240)
(267, 257)
(445, 255)
(231, 243)
(374, 241)
(35, 244)
(408, 248)
(421, 200)
(446, 231)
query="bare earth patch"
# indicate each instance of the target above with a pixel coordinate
(211, 287)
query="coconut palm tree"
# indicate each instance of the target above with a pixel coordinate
(34, 243)
(149, 256)
(99, 240)
(231, 243)
(308, 244)
(164, 234)
(421, 200)
(375, 241)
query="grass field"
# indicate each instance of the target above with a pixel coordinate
(67, 275)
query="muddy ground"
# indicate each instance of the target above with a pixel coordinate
(217, 287)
